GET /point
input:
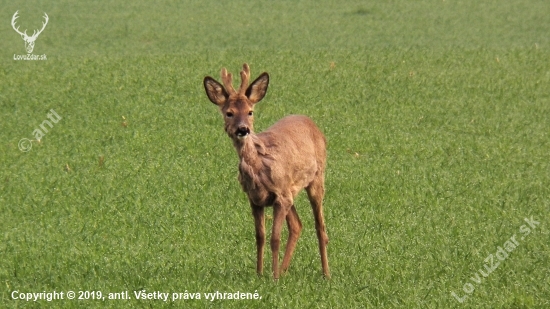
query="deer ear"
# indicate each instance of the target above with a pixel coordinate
(215, 91)
(257, 90)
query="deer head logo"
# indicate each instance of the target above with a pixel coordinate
(29, 40)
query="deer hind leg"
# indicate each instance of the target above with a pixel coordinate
(294, 229)
(315, 193)
(259, 224)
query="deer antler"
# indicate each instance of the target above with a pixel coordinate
(43, 26)
(34, 34)
(13, 24)
(227, 80)
(245, 78)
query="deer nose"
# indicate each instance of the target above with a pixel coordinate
(242, 131)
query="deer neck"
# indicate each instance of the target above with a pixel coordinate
(249, 150)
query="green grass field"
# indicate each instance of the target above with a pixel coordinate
(437, 116)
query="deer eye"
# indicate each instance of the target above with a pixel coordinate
(250, 113)
(229, 114)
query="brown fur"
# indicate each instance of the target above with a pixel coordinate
(275, 165)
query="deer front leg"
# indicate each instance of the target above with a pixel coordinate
(294, 229)
(259, 224)
(280, 210)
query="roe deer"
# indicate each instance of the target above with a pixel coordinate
(273, 165)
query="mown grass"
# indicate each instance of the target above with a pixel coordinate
(436, 115)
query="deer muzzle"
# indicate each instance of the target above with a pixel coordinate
(242, 131)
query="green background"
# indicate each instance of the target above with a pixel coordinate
(436, 115)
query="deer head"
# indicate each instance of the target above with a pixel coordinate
(237, 107)
(29, 40)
